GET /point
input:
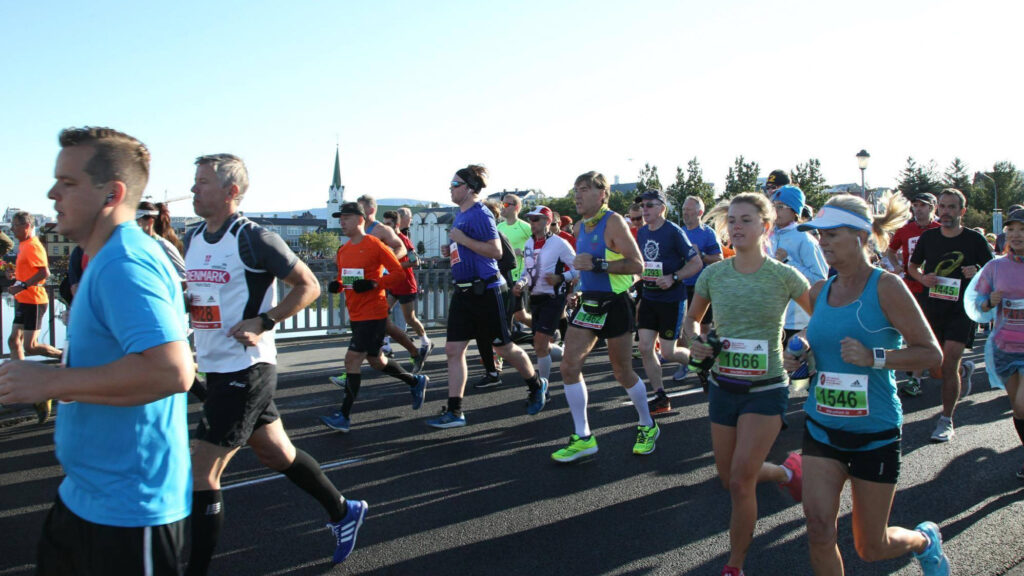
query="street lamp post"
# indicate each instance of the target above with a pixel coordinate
(862, 163)
(997, 218)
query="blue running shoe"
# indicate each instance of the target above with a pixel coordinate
(933, 561)
(346, 529)
(336, 421)
(447, 420)
(538, 398)
(419, 391)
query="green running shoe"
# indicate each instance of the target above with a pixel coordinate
(577, 448)
(645, 438)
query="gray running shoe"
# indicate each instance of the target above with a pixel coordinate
(488, 381)
(943, 430)
(965, 378)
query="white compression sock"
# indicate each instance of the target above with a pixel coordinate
(544, 366)
(638, 394)
(576, 396)
(424, 341)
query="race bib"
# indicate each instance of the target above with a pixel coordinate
(1013, 314)
(744, 358)
(205, 307)
(592, 320)
(838, 394)
(350, 275)
(945, 289)
(652, 271)
(911, 244)
(455, 254)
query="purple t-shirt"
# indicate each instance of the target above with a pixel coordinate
(477, 222)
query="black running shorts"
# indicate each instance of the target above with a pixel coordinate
(880, 465)
(708, 316)
(71, 545)
(29, 316)
(368, 336)
(237, 403)
(616, 317)
(547, 311)
(665, 318)
(479, 315)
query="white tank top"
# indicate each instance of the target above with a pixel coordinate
(219, 294)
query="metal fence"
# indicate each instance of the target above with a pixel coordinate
(327, 315)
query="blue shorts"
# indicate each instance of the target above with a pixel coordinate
(725, 408)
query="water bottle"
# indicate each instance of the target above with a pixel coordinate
(799, 377)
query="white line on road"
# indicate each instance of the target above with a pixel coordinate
(277, 476)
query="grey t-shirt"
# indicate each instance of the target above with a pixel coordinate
(752, 306)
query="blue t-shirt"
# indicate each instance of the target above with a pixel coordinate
(478, 223)
(706, 241)
(665, 251)
(126, 466)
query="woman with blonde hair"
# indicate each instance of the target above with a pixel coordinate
(865, 324)
(749, 390)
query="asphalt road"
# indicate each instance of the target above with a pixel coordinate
(487, 499)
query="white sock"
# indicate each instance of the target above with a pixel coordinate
(576, 396)
(789, 473)
(544, 366)
(424, 341)
(638, 394)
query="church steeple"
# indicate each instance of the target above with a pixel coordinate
(336, 193)
(337, 170)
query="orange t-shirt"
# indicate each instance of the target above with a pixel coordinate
(366, 260)
(31, 257)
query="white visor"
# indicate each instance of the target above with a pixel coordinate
(141, 213)
(831, 217)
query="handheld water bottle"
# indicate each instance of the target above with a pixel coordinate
(798, 348)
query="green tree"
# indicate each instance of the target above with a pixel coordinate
(648, 179)
(742, 177)
(915, 179)
(809, 178)
(324, 242)
(957, 176)
(690, 183)
(1008, 183)
(566, 205)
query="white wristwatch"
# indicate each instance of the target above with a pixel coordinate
(879, 356)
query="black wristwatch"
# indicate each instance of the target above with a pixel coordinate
(268, 322)
(675, 277)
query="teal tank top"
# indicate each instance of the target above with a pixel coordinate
(843, 396)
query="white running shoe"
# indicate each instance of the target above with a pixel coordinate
(943, 430)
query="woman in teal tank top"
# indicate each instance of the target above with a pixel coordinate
(859, 320)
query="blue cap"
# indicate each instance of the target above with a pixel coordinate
(790, 196)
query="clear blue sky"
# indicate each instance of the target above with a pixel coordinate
(538, 91)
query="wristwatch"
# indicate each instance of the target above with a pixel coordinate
(268, 322)
(675, 277)
(21, 284)
(879, 357)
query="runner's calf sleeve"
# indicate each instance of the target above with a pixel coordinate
(395, 370)
(455, 405)
(305, 473)
(1018, 423)
(544, 366)
(352, 382)
(207, 519)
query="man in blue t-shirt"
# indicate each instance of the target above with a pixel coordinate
(477, 304)
(669, 260)
(705, 240)
(122, 433)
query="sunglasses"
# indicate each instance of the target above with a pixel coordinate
(456, 183)
(650, 204)
(507, 204)
(636, 218)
